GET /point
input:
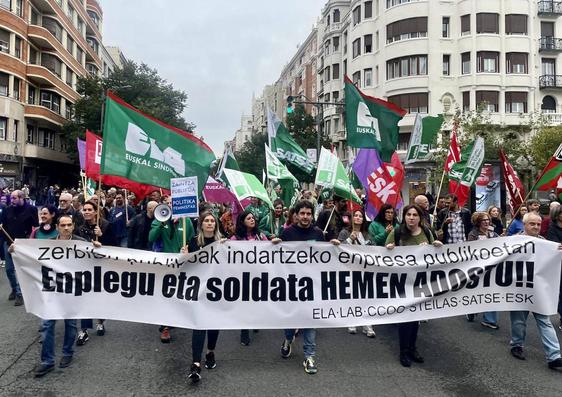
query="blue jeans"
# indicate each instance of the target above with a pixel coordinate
(11, 271)
(309, 340)
(547, 333)
(490, 317)
(48, 347)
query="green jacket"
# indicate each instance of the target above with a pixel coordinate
(170, 234)
(265, 226)
(378, 233)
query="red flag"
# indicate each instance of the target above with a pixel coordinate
(454, 155)
(512, 184)
(94, 146)
(385, 182)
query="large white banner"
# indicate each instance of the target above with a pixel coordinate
(242, 285)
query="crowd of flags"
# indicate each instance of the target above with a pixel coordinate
(141, 154)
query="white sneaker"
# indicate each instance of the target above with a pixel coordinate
(352, 330)
(369, 331)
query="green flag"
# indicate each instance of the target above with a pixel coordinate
(331, 174)
(148, 151)
(276, 169)
(423, 135)
(245, 185)
(371, 122)
(284, 146)
(228, 161)
(468, 169)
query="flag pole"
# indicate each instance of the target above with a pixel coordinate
(126, 207)
(184, 235)
(438, 195)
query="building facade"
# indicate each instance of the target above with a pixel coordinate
(45, 45)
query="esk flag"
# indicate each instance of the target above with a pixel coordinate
(512, 184)
(94, 146)
(148, 151)
(284, 145)
(382, 181)
(423, 135)
(551, 176)
(331, 174)
(464, 173)
(371, 122)
(245, 185)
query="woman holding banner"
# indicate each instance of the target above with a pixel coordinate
(411, 231)
(247, 229)
(383, 224)
(357, 234)
(207, 233)
(482, 230)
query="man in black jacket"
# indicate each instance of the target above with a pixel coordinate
(453, 221)
(17, 221)
(139, 227)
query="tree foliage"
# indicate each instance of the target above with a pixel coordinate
(543, 145)
(136, 84)
(251, 157)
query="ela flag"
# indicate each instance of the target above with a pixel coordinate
(284, 146)
(228, 161)
(551, 176)
(145, 150)
(371, 122)
(454, 155)
(423, 135)
(382, 181)
(331, 174)
(278, 172)
(464, 173)
(245, 185)
(512, 184)
(94, 146)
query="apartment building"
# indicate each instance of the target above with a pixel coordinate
(44, 46)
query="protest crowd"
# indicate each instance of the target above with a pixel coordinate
(115, 217)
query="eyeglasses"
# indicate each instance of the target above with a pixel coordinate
(485, 220)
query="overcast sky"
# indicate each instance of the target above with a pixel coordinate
(218, 51)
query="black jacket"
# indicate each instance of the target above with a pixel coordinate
(138, 228)
(554, 233)
(444, 214)
(19, 221)
(86, 231)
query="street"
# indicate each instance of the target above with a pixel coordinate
(461, 359)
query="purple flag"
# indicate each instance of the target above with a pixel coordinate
(81, 152)
(215, 192)
(366, 161)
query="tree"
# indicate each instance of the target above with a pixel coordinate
(251, 157)
(543, 145)
(138, 85)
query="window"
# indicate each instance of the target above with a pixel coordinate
(51, 100)
(17, 47)
(326, 48)
(54, 27)
(69, 45)
(548, 104)
(4, 84)
(465, 24)
(336, 43)
(31, 95)
(70, 12)
(488, 61)
(80, 26)
(488, 100)
(345, 67)
(34, 17)
(327, 97)
(548, 66)
(446, 27)
(368, 43)
(345, 42)
(516, 24)
(368, 9)
(19, 8)
(15, 131)
(356, 15)
(377, 40)
(392, 3)
(446, 64)
(413, 103)
(547, 29)
(516, 62)
(465, 63)
(4, 41)
(368, 77)
(48, 138)
(94, 17)
(415, 65)
(30, 134)
(356, 47)
(79, 54)
(406, 29)
(33, 54)
(69, 110)
(17, 84)
(466, 101)
(336, 16)
(3, 128)
(336, 71)
(52, 63)
(69, 76)
(335, 96)
(5, 4)
(487, 23)
(516, 102)
(327, 73)
(356, 78)
(95, 46)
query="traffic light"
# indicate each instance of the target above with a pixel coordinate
(290, 100)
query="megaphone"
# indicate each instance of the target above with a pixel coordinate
(162, 212)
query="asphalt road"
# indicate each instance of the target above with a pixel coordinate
(462, 359)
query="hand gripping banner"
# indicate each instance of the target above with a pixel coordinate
(243, 285)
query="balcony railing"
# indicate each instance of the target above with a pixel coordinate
(550, 7)
(550, 81)
(550, 44)
(553, 118)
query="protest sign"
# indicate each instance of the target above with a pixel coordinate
(255, 285)
(185, 202)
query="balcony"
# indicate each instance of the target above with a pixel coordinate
(550, 81)
(550, 8)
(553, 118)
(334, 27)
(550, 44)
